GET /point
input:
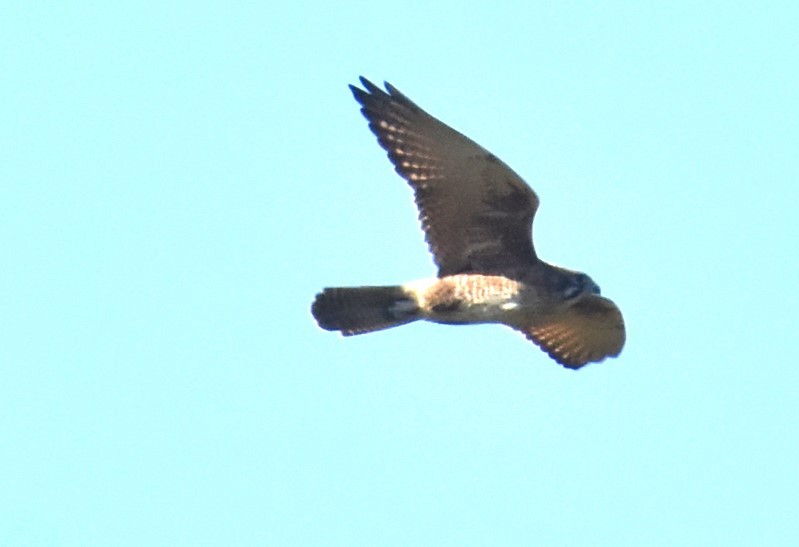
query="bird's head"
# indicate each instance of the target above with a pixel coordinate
(573, 284)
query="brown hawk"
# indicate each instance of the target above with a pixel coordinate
(477, 216)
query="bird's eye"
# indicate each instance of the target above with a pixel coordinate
(577, 284)
(573, 286)
(572, 291)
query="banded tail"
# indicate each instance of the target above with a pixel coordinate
(358, 310)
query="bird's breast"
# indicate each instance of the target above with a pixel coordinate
(472, 298)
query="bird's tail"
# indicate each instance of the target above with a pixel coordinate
(358, 310)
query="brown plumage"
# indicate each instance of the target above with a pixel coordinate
(477, 216)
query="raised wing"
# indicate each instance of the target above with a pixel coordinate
(477, 214)
(589, 330)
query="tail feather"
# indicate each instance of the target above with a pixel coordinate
(358, 310)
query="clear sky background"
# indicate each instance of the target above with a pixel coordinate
(177, 182)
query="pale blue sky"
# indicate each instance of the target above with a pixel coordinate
(177, 182)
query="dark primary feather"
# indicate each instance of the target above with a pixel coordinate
(476, 213)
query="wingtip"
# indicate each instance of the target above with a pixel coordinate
(393, 91)
(357, 92)
(373, 89)
(369, 90)
(565, 361)
(369, 86)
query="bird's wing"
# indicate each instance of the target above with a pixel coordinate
(588, 330)
(476, 213)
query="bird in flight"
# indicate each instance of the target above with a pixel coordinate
(477, 216)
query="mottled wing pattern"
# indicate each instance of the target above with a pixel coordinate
(586, 331)
(476, 213)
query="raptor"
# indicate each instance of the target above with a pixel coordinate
(477, 216)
